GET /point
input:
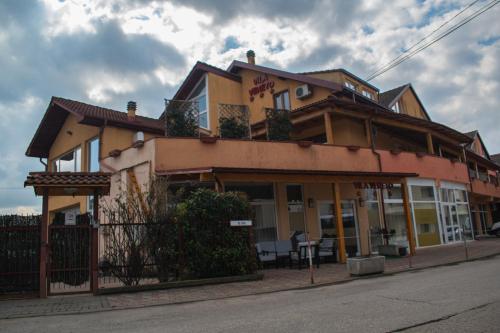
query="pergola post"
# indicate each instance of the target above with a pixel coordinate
(44, 244)
(94, 256)
(409, 224)
(328, 127)
(339, 222)
(430, 144)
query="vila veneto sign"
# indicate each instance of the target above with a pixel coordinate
(261, 83)
(373, 185)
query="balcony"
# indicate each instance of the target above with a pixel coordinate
(187, 153)
(427, 166)
(484, 187)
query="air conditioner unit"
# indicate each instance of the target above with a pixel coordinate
(138, 140)
(303, 91)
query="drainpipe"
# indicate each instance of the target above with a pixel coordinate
(376, 153)
(45, 164)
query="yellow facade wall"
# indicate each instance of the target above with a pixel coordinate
(224, 91)
(349, 131)
(267, 101)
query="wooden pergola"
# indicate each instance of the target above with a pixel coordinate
(48, 184)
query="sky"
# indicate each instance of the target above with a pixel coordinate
(107, 52)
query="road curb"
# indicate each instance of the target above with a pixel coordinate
(314, 286)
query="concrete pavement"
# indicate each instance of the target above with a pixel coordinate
(463, 297)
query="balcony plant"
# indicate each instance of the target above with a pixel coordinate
(233, 128)
(279, 125)
(181, 118)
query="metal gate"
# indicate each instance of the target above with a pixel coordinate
(69, 266)
(19, 254)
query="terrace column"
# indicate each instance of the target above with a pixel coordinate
(339, 222)
(409, 224)
(430, 145)
(328, 128)
(44, 243)
(368, 132)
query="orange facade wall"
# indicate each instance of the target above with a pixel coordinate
(485, 188)
(427, 166)
(221, 91)
(182, 153)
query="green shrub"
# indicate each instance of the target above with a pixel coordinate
(214, 248)
(279, 125)
(232, 128)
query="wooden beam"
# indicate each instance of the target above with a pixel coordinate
(328, 128)
(44, 244)
(409, 223)
(368, 132)
(339, 221)
(430, 145)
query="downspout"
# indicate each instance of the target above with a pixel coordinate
(45, 164)
(379, 159)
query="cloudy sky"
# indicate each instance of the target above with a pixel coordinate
(107, 52)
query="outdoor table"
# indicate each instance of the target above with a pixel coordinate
(302, 252)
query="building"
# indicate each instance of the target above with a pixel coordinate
(358, 162)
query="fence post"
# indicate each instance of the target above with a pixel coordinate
(44, 238)
(94, 250)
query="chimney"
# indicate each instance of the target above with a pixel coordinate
(131, 109)
(251, 57)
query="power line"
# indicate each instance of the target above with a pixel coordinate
(435, 40)
(423, 39)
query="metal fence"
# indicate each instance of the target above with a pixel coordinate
(234, 121)
(183, 118)
(19, 253)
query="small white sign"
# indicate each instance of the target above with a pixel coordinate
(241, 223)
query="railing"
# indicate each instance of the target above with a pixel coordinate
(182, 118)
(234, 121)
(278, 124)
(19, 253)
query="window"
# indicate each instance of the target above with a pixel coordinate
(396, 107)
(199, 96)
(93, 155)
(327, 221)
(349, 85)
(282, 101)
(367, 94)
(261, 198)
(425, 214)
(69, 162)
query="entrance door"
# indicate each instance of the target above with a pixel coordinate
(351, 233)
(296, 216)
(451, 227)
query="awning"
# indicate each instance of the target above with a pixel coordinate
(69, 183)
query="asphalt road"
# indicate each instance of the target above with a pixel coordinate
(460, 298)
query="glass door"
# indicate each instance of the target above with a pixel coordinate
(351, 234)
(296, 217)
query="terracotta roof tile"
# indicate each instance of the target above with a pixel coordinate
(68, 178)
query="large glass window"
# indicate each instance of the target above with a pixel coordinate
(282, 101)
(93, 155)
(69, 162)
(425, 215)
(394, 215)
(456, 221)
(199, 96)
(261, 197)
(327, 220)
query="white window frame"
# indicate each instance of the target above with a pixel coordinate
(396, 107)
(349, 85)
(78, 161)
(191, 97)
(460, 187)
(89, 153)
(437, 201)
(367, 94)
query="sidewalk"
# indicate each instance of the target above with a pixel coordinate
(274, 280)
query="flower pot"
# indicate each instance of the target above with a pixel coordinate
(365, 265)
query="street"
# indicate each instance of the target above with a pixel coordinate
(458, 298)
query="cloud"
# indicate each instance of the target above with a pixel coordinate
(108, 52)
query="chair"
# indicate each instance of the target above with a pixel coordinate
(328, 249)
(283, 249)
(266, 252)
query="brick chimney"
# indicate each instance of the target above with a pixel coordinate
(131, 109)
(251, 57)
